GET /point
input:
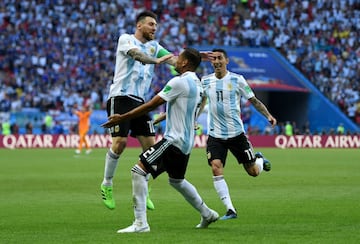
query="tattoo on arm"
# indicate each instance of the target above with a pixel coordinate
(260, 107)
(141, 57)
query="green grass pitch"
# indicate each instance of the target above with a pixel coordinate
(53, 196)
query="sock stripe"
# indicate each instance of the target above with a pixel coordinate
(218, 178)
(136, 169)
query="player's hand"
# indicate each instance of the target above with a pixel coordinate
(272, 121)
(207, 56)
(161, 117)
(164, 58)
(112, 120)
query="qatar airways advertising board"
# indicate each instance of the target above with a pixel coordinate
(104, 141)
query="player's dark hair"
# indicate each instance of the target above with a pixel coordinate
(220, 50)
(145, 14)
(193, 56)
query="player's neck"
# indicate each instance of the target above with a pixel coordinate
(140, 37)
(220, 74)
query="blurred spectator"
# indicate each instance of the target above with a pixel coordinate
(29, 128)
(289, 130)
(5, 128)
(340, 130)
(48, 122)
(14, 129)
(58, 128)
(5, 104)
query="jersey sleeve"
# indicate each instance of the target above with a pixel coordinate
(125, 43)
(245, 88)
(171, 90)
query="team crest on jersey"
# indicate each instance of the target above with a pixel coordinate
(116, 128)
(167, 88)
(152, 50)
(229, 86)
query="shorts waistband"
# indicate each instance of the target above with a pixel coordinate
(136, 98)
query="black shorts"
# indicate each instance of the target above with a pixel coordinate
(239, 146)
(163, 156)
(140, 126)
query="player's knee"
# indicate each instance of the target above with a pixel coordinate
(119, 146)
(176, 183)
(217, 167)
(253, 171)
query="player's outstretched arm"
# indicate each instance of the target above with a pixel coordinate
(160, 118)
(136, 112)
(263, 110)
(145, 59)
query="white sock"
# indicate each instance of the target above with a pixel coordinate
(223, 191)
(140, 188)
(111, 162)
(260, 163)
(191, 195)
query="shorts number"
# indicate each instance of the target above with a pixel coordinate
(151, 126)
(148, 152)
(249, 153)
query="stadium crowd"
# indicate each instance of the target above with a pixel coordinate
(56, 54)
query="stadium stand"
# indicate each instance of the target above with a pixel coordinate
(56, 54)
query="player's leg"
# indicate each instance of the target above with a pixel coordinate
(257, 166)
(217, 152)
(111, 163)
(146, 142)
(144, 131)
(81, 142)
(265, 162)
(191, 195)
(139, 188)
(176, 164)
(119, 139)
(153, 156)
(86, 142)
(244, 153)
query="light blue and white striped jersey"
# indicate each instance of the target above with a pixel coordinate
(131, 77)
(183, 95)
(224, 112)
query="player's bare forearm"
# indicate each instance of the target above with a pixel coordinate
(202, 105)
(263, 110)
(172, 60)
(136, 112)
(145, 59)
(160, 118)
(141, 57)
(207, 56)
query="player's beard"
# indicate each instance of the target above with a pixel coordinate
(149, 36)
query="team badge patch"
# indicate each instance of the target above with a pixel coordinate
(247, 89)
(167, 88)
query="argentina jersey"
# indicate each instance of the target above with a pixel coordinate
(131, 77)
(224, 113)
(183, 95)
